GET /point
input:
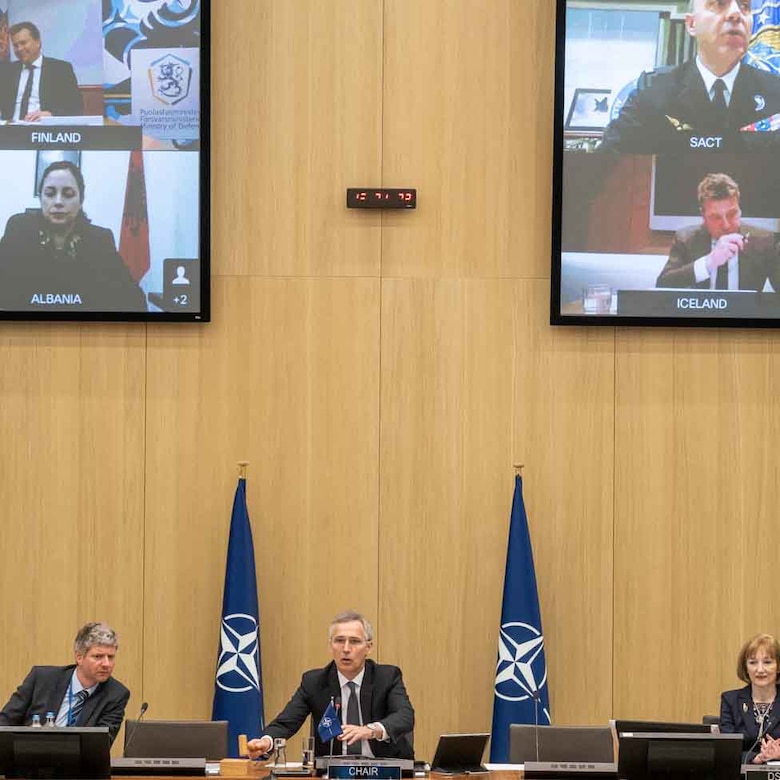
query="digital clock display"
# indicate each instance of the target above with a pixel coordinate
(381, 198)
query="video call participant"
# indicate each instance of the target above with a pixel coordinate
(752, 711)
(703, 104)
(57, 259)
(36, 86)
(722, 253)
(384, 713)
(81, 694)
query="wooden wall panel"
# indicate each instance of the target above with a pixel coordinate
(297, 109)
(286, 377)
(72, 427)
(445, 483)
(468, 121)
(563, 431)
(696, 484)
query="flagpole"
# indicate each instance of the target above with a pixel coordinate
(518, 467)
(242, 464)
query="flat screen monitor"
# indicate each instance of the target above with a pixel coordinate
(457, 753)
(104, 208)
(55, 752)
(677, 756)
(666, 196)
(176, 739)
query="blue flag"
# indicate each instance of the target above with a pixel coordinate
(520, 694)
(764, 50)
(238, 687)
(329, 726)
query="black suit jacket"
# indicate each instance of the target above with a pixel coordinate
(383, 698)
(59, 90)
(736, 717)
(671, 106)
(94, 270)
(758, 261)
(45, 687)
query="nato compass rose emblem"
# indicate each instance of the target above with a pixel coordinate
(326, 722)
(237, 666)
(520, 669)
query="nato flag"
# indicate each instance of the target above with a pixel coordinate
(520, 694)
(329, 725)
(238, 687)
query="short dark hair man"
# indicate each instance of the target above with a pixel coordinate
(385, 714)
(722, 253)
(35, 85)
(81, 694)
(704, 103)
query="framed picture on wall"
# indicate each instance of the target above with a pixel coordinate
(589, 109)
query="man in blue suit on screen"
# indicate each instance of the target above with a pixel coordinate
(80, 694)
(36, 86)
(716, 102)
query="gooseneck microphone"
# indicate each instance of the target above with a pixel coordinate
(535, 695)
(141, 713)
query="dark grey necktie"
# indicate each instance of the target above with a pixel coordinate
(353, 717)
(25, 107)
(78, 705)
(719, 99)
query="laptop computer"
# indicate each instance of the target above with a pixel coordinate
(460, 753)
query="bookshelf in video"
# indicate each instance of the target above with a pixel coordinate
(100, 154)
(668, 174)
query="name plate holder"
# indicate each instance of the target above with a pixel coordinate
(769, 771)
(552, 769)
(364, 768)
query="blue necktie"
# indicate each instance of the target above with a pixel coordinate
(78, 705)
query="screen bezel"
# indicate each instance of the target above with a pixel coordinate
(204, 221)
(93, 743)
(635, 748)
(557, 317)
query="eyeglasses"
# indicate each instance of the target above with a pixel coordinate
(351, 641)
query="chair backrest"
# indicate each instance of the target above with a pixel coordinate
(711, 720)
(560, 743)
(176, 739)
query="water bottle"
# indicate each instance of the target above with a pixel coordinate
(50, 719)
(36, 721)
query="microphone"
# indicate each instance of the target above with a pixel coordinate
(535, 695)
(141, 713)
(337, 706)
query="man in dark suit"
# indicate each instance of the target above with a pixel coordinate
(36, 86)
(722, 253)
(716, 102)
(81, 694)
(378, 722)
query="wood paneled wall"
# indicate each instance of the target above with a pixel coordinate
(382, 373)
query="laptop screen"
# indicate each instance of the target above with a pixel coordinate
(456, 751)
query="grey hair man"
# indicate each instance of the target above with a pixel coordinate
(377, 716)
(84, 693)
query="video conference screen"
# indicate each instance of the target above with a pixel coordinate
(104, 157)
(667, 163)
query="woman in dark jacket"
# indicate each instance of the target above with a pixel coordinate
(753, 711)
(56, 259)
